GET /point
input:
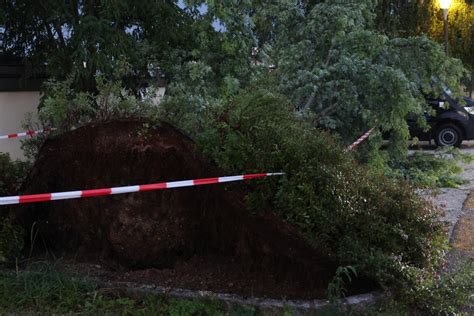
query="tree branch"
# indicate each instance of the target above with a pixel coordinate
(60, 35)
(56, 27)
(326, 112)
(326, 63)
(75, 10)
(310, 100)
(50, 34)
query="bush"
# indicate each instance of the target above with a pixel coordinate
(361, 218)
(12, 175)
(64, 108)
(445, 293)
(440, 169)
(11, 240)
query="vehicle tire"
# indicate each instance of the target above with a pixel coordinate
(448, 135)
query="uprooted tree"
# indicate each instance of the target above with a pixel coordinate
(254, 92)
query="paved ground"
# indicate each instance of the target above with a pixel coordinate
(466, 146)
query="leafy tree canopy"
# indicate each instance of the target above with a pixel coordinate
(329, 60)
(328, 57)
(85, 37)
(410, 18)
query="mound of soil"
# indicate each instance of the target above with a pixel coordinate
(198, 237)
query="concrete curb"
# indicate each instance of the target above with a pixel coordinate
(265, 306)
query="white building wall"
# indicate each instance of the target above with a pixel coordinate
(13, 108)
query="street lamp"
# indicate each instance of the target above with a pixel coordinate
(445, 4)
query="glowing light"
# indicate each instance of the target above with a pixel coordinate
(444, 4)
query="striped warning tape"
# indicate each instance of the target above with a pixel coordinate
(27, 133)
(360, 140)
(22, 199)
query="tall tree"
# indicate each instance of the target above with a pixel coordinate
(411, 18)
(330, 61)
(83, 38)
(460, 31)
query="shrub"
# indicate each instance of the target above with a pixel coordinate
(65, 108)
(440, 169)
(445, 293)
(356, 215)
(12, 174)
(11, 240)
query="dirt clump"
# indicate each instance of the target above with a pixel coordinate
(176, 233)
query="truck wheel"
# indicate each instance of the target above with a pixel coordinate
(448, 135)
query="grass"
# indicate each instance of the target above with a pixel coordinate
(44, 289)
(440, 169)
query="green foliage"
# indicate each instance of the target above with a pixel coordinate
(66, 109)
(177, 308)
(336, 288)
(335, 64)
(45, 289)
(149, 305)
(327, 57)
(236, 92)
(11, 240)
(362, 219)
(85, 38)
(460, 32)
(399, 18)
(375, 225)
(440, 169)
(446, 293)
(12, 175)
(403, 18)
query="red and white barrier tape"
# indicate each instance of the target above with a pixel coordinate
(360, 140)
(22, 199)
(27, 133)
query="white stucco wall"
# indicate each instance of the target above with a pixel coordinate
(13, 108)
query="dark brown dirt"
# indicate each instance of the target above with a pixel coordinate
(197, 238)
